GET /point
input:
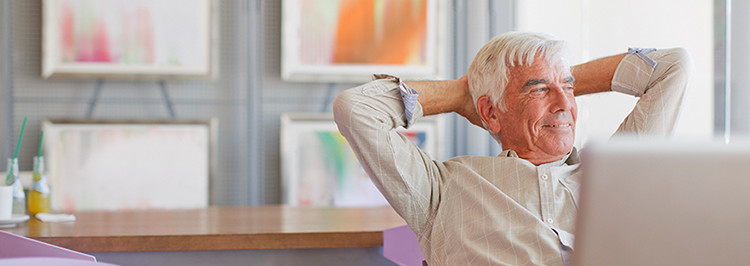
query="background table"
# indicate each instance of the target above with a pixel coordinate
(284, 230)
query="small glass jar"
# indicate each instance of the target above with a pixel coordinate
(39, 192)
(12, 179)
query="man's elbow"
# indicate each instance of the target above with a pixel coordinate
(681, 62)
(342, 106)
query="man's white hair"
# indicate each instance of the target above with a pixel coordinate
(489, 72)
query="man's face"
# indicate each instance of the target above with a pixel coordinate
(539, 122)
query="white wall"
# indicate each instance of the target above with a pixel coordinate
(595, 29)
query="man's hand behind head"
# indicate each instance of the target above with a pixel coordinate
(467, 108)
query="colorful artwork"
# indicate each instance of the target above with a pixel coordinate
(135, 37)
(350, 27)
(319, 167)
(332, 40)
(94, 166)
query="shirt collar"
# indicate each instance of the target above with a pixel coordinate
(570, 159)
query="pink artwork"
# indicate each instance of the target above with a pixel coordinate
(127, 37)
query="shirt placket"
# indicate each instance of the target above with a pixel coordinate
(545, 178)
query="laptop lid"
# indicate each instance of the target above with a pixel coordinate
(647, 203)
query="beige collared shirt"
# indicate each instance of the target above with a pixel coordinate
(478, 210)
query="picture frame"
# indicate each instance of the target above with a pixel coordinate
(348, 41)
(129, 39)
(129, 164)
(319, 168)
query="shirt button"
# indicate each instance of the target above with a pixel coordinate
(549, 220)
(544, 177)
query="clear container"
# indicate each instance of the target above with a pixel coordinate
(12, 179)
(39, 192)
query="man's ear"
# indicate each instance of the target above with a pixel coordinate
(489, 113)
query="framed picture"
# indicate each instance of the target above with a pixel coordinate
(129, 38)
(319, 168)
(115, 165)
(348, 41)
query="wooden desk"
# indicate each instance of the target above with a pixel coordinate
(217, 228)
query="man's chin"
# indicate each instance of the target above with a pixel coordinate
(560, 149)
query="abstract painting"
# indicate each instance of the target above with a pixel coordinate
(111, 165)
(319, 167)
(349, 40)
(127, 38)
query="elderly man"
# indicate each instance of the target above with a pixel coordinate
(518, 207)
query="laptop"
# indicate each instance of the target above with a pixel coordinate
(664, 203)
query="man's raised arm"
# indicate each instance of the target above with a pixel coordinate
(595, 76)
(368, 116)
(445, 96)
(658, 77)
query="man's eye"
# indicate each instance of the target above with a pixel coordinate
(538, 91)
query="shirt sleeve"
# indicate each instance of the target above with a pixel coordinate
(409, 96)
(368, 116)
(659, 78)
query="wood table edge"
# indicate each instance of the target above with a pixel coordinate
(218, 241)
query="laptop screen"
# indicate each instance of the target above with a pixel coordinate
(664, 203)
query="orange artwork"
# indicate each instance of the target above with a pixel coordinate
(395, 36)
(349, 40)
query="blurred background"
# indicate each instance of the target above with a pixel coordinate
(247, 94)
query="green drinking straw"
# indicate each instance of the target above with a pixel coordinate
(41, 143)
(15, 155)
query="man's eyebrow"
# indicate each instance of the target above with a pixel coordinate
(533, 82)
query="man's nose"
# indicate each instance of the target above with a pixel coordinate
(562, 100)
